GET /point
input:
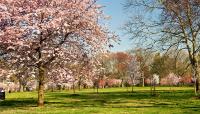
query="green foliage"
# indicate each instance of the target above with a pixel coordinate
(165, 64)
(160, 65)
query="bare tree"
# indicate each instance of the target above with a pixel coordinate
(134, 72)
(174, 23)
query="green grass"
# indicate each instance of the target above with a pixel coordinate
(177, 100)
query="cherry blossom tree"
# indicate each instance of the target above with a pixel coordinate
(97, 72)
(171, 79)
(3, 74)
(58, 77)
(5, 82)
(41, 32)
(134, 71)
(113, 82)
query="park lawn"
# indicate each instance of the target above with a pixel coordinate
(176, 100)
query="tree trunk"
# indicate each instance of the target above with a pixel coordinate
(122, 83)
(41, 87)
(74, 87)
(132, 84)
(79, 85)
(196, 75)
(132, 88)
(143, 82)
(24, 88)
(197, 80)
(154, 89)
(52, 89)
(97, 88)
(20, 86)
(151, 89)
(197, 84)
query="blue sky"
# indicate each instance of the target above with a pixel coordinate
(114, 8)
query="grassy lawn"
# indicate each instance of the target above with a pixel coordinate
(177, 100)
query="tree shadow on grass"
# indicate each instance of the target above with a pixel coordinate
(138, 95)
(18, 102)
(139, 99)
(166, 99)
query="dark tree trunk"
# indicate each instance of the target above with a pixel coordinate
(197, 88)
(97, 88)
(154, 89)
(197, 80)
(132, 88)
(20, 86)
(196, 76)
(79, 84)
(79, 87)
(74, 88)
(24, 87)
(41, 87)
(52, 89)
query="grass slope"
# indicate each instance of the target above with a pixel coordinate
(177, 100)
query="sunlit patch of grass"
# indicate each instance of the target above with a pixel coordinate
(109, 101)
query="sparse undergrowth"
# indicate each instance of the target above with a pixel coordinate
(109, 101)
